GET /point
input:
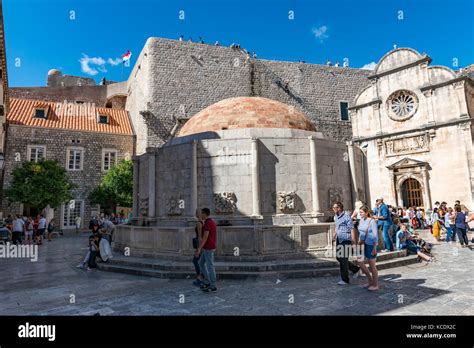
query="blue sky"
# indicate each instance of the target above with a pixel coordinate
(41, 35)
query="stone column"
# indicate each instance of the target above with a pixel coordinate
(151, 183)
(396, 196)
(350, 152)
(314, 176)
(255, 179)
(400, 196)
(426, 184)
(194, 180)
(136, 178)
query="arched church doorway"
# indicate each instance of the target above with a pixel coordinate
(412, 193)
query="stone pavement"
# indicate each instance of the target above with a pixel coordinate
(53, 286)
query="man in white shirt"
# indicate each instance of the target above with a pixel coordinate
(78, 223)
(109, 227)
(18, 229)
(41, 229)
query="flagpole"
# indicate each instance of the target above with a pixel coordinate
(121, 78)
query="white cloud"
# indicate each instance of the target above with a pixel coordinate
(92, 65)
(115, 61)
(320, 33)
(370, 66)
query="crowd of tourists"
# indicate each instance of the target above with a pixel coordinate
(385, 228)
(217, 43)
(205, 243)
(448, 222)
(337, 65)
(22, 229)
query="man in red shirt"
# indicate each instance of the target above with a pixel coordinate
(206, 250)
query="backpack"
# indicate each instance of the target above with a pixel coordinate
(28, 226)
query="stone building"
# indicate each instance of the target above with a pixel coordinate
(87, 140)
(268, 176)
(108, 95)
(414, 122)
(173, 80)
(57, 79)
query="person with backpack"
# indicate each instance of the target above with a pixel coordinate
(29, 231)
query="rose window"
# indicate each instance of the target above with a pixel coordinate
(402, 105)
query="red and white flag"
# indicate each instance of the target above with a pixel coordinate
(126, 56)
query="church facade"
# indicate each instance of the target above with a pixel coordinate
(414, 123)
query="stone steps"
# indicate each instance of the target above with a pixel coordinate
(245, 270)
(261, 266)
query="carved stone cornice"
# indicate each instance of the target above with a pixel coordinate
(374, 102)
(431, 126)
(458, 81)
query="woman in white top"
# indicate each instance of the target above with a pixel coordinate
(368, 234)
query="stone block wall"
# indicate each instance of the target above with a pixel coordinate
(173, 80)
(470, 103)
(173, 181)
(334, 178)
(184, 78)
(68, 80)
(116, 93)
(143, 188)
(284, 167)
(316, 90)
(224, 167)
(86, 94)
(254, 243)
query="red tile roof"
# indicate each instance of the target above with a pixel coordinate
(78, 117)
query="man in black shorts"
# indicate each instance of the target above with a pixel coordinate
(41, 229)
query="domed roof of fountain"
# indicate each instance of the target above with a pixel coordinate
(246, 112)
